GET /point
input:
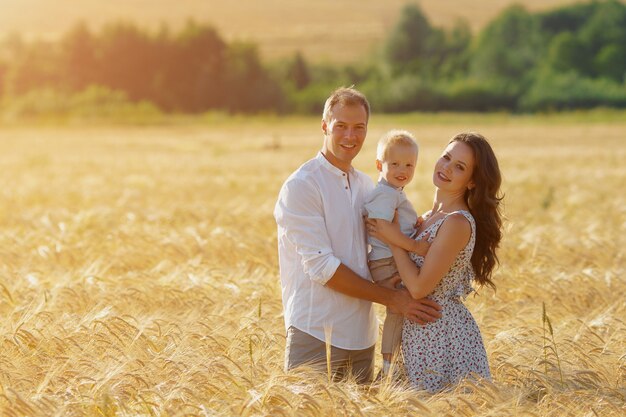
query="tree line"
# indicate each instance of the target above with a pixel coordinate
(570, 57)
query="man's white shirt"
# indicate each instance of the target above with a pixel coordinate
(320, 226)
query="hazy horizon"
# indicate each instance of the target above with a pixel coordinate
(320, 29)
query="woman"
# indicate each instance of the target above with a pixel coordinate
(464, 227)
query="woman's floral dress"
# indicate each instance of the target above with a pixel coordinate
(441, 353)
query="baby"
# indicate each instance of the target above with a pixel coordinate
(396, 156)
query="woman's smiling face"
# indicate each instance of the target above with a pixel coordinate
(454, 169)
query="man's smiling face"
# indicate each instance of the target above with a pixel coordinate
(344, 134)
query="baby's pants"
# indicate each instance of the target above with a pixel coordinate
(381, 269)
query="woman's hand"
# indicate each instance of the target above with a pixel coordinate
(383, 230)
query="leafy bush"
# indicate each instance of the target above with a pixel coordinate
(480, 95)
(404, 93)
(554, 91)
(95, 103)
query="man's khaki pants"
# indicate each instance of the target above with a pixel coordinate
(304, 349)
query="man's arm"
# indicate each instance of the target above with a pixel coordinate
(347, 282)
(299, 215)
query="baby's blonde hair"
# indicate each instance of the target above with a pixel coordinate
(394, 137)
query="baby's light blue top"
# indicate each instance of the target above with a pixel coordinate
(381, 204)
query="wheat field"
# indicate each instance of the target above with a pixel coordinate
(138, 270)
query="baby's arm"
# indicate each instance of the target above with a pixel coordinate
(421, 245)
(390, 233)
(382, 207)
(453, 236)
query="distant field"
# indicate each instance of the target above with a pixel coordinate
(138, 270)
(323, 29)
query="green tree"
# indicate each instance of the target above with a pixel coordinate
(409, 40)
(164, 87)
(456, 57)
(78, 61)
(509, 47)
(604, 36)
(298, 72)
(567, 53)
(127, 60)
(35, 67)
(250, 86)
(566, 19)
(416, 47)
(605, 26)
(610, 62)
(197, 71)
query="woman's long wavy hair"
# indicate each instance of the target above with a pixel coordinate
(484, 202)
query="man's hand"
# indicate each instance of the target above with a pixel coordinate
(420, 311)
(399, 301)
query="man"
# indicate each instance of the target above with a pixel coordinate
(326, 286)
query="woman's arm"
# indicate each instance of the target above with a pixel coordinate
(452, 237)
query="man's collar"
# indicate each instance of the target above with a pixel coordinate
(326, 163)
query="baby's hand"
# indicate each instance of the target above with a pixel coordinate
(418, 222)
(421, 245)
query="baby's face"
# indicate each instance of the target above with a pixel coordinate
(399, 165)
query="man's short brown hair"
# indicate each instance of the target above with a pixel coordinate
(347, 96)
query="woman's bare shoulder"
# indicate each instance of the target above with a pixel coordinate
(456, 228)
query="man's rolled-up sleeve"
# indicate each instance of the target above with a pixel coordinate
(300, 216)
